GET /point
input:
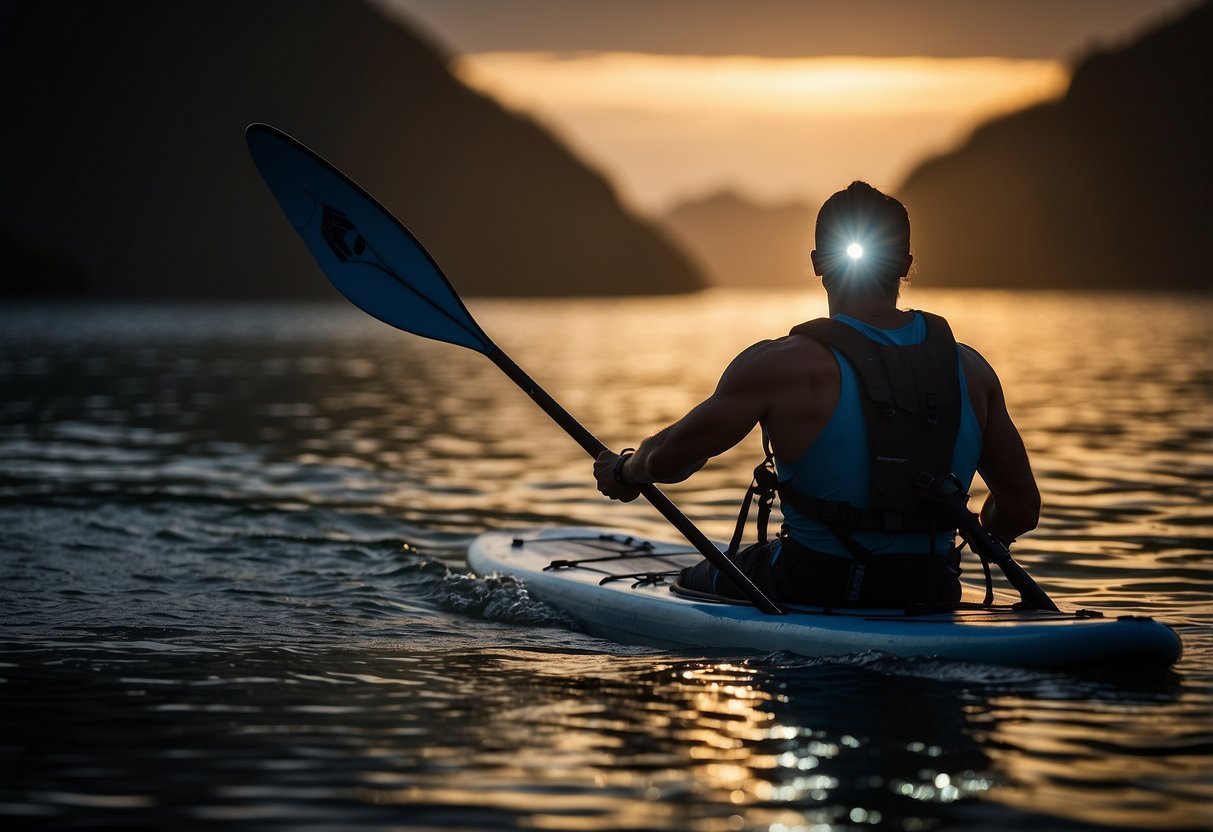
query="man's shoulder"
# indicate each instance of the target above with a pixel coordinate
(973, 362)
(777, 357)
(791, 345)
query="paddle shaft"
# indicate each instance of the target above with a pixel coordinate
(989, 545)
(993, 549)
(652, 493)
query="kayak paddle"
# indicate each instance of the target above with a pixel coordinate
(382, 269)
(948, 492)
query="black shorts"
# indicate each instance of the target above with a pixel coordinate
(753, 561)
(805, 576)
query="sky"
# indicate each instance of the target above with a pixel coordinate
(775, 100)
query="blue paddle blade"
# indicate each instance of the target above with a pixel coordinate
(362, 249)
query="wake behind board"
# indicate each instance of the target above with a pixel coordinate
(618, 587)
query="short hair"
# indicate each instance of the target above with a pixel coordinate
(877, 222)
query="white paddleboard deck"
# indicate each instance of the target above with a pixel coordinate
(617, 586)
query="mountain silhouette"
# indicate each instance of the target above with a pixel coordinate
(1106, 188)
(741, 243)
(125, 157)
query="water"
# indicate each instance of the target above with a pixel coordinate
(232, 588)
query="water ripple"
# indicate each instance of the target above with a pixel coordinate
(232, 586)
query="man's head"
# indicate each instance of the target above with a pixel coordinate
(863, 242)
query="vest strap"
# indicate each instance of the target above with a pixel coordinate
(838, 513)
(762, 488)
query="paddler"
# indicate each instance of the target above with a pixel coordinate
(863, 411)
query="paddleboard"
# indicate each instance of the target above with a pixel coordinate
(618, 587)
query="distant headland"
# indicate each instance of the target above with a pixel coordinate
(127, 176)
(1107, 188)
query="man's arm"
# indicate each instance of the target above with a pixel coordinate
(1013, 506)
(709, 429)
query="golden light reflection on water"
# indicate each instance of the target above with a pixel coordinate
(1047, 751)
(688, 744)
(1111, 393)
(721, 745)
(358, 670)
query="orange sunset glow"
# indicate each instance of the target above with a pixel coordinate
(777, 102)
(672, 126)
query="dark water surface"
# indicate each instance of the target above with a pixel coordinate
(232, 588)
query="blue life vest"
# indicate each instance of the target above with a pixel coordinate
(837, 469)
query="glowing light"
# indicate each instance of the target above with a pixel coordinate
(854, 251)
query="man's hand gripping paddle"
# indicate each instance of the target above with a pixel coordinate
(382, 269)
